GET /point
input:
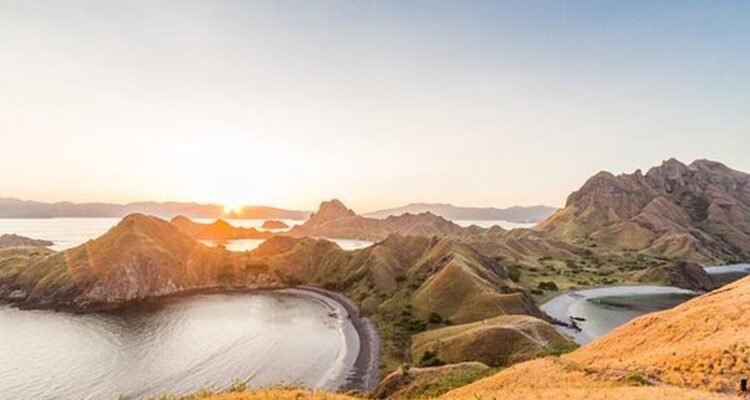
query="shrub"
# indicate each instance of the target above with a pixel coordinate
(430, 359)
(514, 273)
(547, 285)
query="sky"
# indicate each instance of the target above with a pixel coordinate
(378, 103)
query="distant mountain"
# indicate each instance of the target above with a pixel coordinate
(334, 220)
(218, 230)
(15, 208)
(451, 212)
(698, 212)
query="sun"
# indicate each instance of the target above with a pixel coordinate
(232, 209)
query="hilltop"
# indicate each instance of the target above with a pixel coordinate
(142, 257)
(334, 220)
(512, 214)
(698, 212)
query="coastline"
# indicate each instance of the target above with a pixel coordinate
(362, 376)
(365, 373)
(560, 307)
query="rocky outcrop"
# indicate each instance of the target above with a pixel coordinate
(680, 274)
(13, 240)
(698, 212)
(334, 220)
(274, 224)
(218, 230)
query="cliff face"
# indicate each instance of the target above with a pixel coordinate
(680, 274)
(698, 212)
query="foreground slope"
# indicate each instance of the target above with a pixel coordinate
(703, 343)
(554, 378)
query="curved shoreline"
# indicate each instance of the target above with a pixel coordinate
(559, 307)
(363, 375)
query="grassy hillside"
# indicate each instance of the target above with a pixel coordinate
(407, 284)
(554, 378)
(497, 342)
(702, 343)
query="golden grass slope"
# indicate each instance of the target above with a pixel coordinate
(277, 394)
(703, 343)
(408, 383)
(554, 378)
(499, 341)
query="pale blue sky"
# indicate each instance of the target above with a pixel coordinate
(375, 102)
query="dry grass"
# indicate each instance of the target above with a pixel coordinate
(553, 378)
(703, 343)
(280, 394)
(498, 341)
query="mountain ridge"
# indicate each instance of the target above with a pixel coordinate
(698, 212)
(17, 208)
(519, 214)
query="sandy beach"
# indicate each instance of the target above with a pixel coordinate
(363, 344)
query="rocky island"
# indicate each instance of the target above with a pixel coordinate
(12, 240)
(274, 224)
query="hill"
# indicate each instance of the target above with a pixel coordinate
(454, 213)
(142, 257)
(698, 212)
(696, 347)
(334, 220)
(497, 342)
(218, 230)
(15, 208)
(700, 344)
(408, 284)
(13, 240)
